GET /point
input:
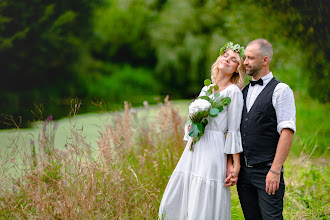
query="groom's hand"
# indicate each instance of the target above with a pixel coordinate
(231, 180)
(272, 183)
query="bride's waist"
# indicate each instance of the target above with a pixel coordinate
(213, 130)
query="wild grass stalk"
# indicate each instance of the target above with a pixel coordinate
(122, 179)
(125, 177)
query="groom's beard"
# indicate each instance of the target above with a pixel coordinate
(254, 70)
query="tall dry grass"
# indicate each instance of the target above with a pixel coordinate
(122, 179)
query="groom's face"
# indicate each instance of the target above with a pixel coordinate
(253, 61)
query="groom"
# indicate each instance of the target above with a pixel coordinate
(267, 127)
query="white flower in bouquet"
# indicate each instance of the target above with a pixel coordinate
(199, 109)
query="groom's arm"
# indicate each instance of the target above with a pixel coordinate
(282, 152)
(284, 105)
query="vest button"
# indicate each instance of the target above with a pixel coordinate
(244, 134)
(246, 119)
(245, 127)
(243, 142)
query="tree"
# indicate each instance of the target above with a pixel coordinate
(40, 40)
(307, 22)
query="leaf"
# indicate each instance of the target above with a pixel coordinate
(200, 128)
(188, 122)
(223, 48)
(216, 95)
(216, 87)
(214, 112)
(213, 104)
(235, 47)
(220, 108)
(197, 139)
(207, 82)
(193, 130)
(205, 122)
(206, 98)
(225, 101)
(208, 93)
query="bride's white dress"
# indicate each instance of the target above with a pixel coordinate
(196, 188)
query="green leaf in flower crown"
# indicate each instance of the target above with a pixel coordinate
(224, 48)
(216, 95)
(188, 122)
(220, 108)
(235, 47)
(206, 98)
(216, 87)
(225, 101)
(214, 112)
(193, 130)
(207, 82)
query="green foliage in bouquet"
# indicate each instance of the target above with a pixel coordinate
(199, 110)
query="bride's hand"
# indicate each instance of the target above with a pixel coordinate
(231, 180)
(232, 175)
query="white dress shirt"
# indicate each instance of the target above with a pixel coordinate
(283, 102)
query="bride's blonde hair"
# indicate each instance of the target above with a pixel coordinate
(237, 77)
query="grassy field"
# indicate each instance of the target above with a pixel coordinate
(116, 165)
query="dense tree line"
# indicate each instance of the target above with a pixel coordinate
(307, 22)
(133, 50)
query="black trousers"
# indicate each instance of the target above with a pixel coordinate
(255, 202)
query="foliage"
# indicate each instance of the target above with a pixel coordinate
(121, 32)
(114, 83)
(313, 120)
(39, 44)
(186, 37)
(305, 22)
(59, 50)
(42, 39)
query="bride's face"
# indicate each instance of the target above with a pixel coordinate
(228, 62)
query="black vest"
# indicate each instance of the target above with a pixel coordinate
(259, 127)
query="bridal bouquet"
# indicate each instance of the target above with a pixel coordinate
(202, 107)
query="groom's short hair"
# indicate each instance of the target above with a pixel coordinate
(265, 48)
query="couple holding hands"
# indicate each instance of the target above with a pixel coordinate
(245, 145)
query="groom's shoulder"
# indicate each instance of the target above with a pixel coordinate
(283, 89)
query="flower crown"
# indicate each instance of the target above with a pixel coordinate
(237, 48)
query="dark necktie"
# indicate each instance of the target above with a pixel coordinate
(260, 82)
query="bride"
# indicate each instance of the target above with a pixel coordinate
(198, 187)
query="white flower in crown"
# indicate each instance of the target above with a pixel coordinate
(230, 45)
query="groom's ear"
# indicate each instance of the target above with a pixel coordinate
(265, 60)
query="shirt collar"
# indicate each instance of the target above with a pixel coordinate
(266, 78)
